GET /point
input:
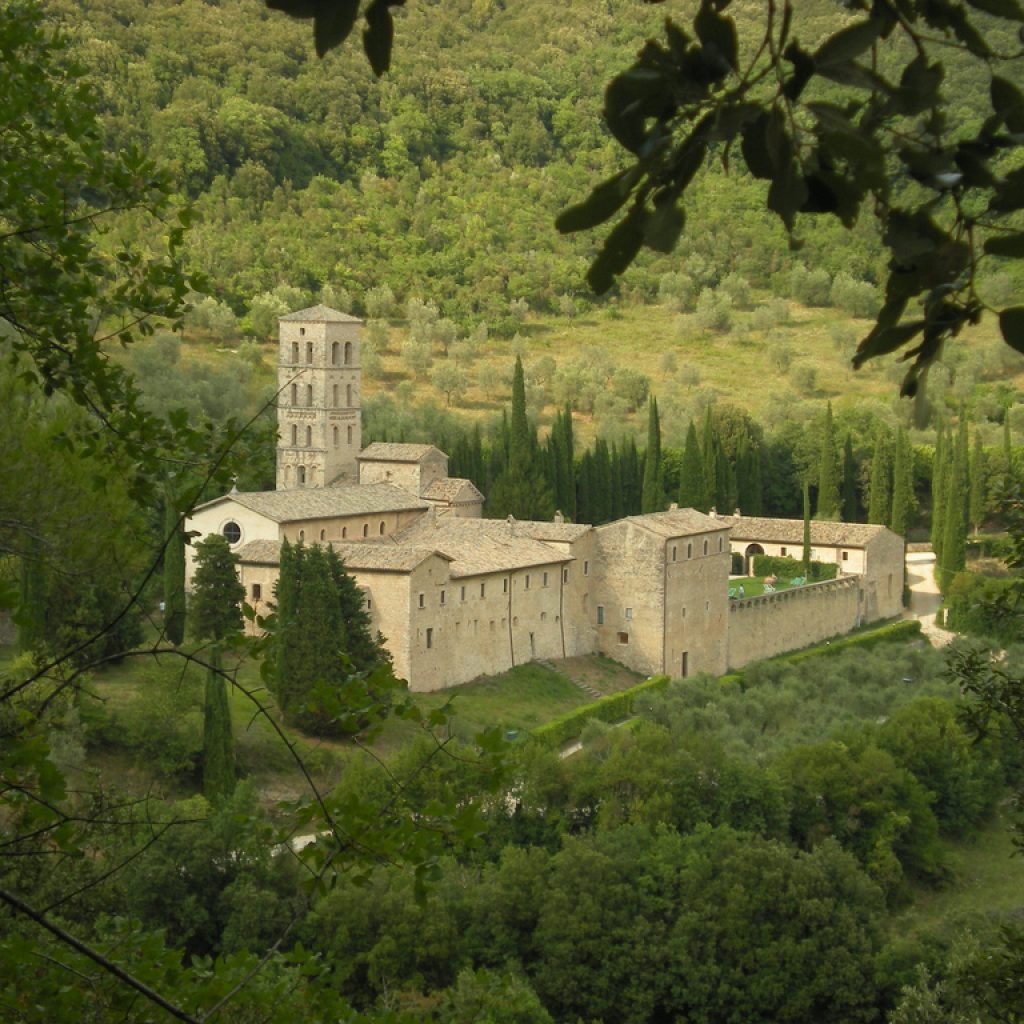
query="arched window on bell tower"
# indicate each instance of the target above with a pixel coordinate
(309, 352)
(309, 394)
(335, 437)
(295, 394)
(309, 437)
(295, 435)
(348, 396)
(334, 353)
(295, 351)
(348, 353)
(334, 396)
(349, 435)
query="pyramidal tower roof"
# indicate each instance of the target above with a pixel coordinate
(321, 314)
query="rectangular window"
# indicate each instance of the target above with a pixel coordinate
(257, 591)
(846, 556)
(504, 585)
(422, 599)
(689, 551)
(600, 614)
(482, 589)
(462, 594)
(545, 580)
(684, 663)
(369, 604)
(565, 575)
(442, 597)
(527, 584)
(586, 568)
(674, 552)
(623, 638)
(430, 637)
(629, 614)
(783, 552)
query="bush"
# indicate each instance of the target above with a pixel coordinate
(984, 606)
(786, 568)
(714, 311)
(613, 708)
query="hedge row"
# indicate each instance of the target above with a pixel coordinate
(613, 708)
(618, 706)
(786, 568)
(902, 630)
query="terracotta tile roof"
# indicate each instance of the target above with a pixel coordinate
(791, 531)
(368, 556)
(561, 533)
(451, 488)
(676, 522)
(321, 314)
(322, 502)
(480, 546)
(387, 451)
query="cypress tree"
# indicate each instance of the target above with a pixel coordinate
(362, 647)
(631, 478)
(1007, 450)
(756, 498)
(806, 559)
(849, 482)
(691, 477)
(902, 485)
(286, 597)
(954, 524)
(828, 471)
(618, 508)
(725, 480)
(709, 460)
(880, 498)
(174, 571)
(653, 496)
(585, 489)
(216, 615)
(602, 481)
(939, 473)
(977, 497)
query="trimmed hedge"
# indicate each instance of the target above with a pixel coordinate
(902, 630)
(613, 708)
(786, 568)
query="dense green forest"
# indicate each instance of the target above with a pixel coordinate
(744, 849)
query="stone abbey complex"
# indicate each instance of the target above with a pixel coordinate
(457, 596)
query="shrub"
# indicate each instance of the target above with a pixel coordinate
(786, 568)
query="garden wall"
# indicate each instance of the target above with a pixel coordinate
(763, 626)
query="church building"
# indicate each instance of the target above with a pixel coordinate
(457, 596)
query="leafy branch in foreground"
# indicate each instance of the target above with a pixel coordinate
(858, 121)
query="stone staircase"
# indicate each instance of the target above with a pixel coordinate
(585, 687)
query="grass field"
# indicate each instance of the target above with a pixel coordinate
(768, 373)
(988, 884)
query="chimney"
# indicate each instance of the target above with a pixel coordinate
(674, 507)
(738, 514)
(713, 513)
(559, 518)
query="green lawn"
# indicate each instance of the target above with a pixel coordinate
(754, 585)
(988, 882)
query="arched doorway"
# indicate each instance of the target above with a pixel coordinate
(748, 557)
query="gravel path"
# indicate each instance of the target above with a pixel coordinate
(925, 598)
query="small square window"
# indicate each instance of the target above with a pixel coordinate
(783, 552)
(257, 591)
(846, 556)
(623, 638)
(629, 614)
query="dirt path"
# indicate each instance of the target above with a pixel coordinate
(925, 598)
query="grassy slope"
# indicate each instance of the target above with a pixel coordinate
(742, 367)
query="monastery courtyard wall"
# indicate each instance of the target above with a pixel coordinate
(770, 624)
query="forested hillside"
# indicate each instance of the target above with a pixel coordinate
(442, 180)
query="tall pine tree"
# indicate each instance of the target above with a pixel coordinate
(828, 470)
(653, 497)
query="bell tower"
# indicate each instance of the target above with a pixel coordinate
(318, 379)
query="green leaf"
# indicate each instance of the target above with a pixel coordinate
(848, 43)
(716, 33)
(1011, 323)
(619, 250)
(755, 147)
(379, 34)
(602, 203)
(882, 340)
(333, 24)
(1006, 245)
(1008, 103)
(787, 194)
(663, 226)
(1000, 8)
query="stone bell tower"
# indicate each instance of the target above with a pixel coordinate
(318, 377)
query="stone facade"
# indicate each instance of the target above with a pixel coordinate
(457, 596)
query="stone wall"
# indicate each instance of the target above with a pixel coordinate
(348, 528)
(761, 627)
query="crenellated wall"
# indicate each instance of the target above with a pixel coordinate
(761, 627)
